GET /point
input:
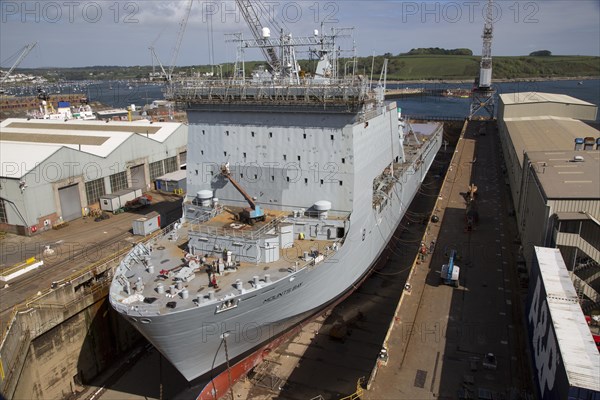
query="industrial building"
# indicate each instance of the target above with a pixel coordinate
(552, 162)
(55, 171)
(565, 359)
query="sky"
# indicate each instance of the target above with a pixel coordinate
(79, 33)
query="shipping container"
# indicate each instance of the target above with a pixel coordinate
(147, 224)
(114, 201)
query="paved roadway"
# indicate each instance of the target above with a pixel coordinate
(441, 334)
(75, 246)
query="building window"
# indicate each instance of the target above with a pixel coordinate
(306, 181)
(331, 137)
(252, 133)
(3, 217)
(225, 153)
(244, 155)
(156, 170)
(304, 135)
(298, 158)
(272, 177)
(227, 133)
(270, 134)
(94, 189)
(321, 181)
(118, 181)
(183, 157)
(287, 178)
(343, 161)
(203, 132)
(284, 157)
(341, 183)
(170, 164)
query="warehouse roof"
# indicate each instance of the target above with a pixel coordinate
(536, 97)
(562, 176)
(26, 143)
(576, 345)
(546, 133)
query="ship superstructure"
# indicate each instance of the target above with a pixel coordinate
(327, 163)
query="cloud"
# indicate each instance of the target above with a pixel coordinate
(120, 32)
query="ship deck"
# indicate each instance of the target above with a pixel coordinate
(161, 272)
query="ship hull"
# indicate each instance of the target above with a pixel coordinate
(193, 340)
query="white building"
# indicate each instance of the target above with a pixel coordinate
(54, 171)
(553, 166)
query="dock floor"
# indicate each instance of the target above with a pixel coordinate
(441, 334)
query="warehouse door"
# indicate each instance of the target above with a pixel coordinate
(70, 202)
(138, 177)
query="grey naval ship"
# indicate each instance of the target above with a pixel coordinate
(296, 183)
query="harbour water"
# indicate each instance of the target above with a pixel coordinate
(124, 93)
(438, 106)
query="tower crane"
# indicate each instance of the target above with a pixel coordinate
(24, 52)
(259, 32)
(483, 94)
(168, 73)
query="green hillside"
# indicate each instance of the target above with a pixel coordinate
(400, 67)
(448, 67)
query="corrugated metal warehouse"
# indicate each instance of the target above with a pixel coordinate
(54, 171)
(565, 361)
(553, 167)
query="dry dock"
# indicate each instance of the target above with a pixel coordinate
(440, 334)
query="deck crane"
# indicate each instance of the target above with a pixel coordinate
(450, 272)
(24, 52)
(254, 212)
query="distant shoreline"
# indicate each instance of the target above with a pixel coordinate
(546, 79)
